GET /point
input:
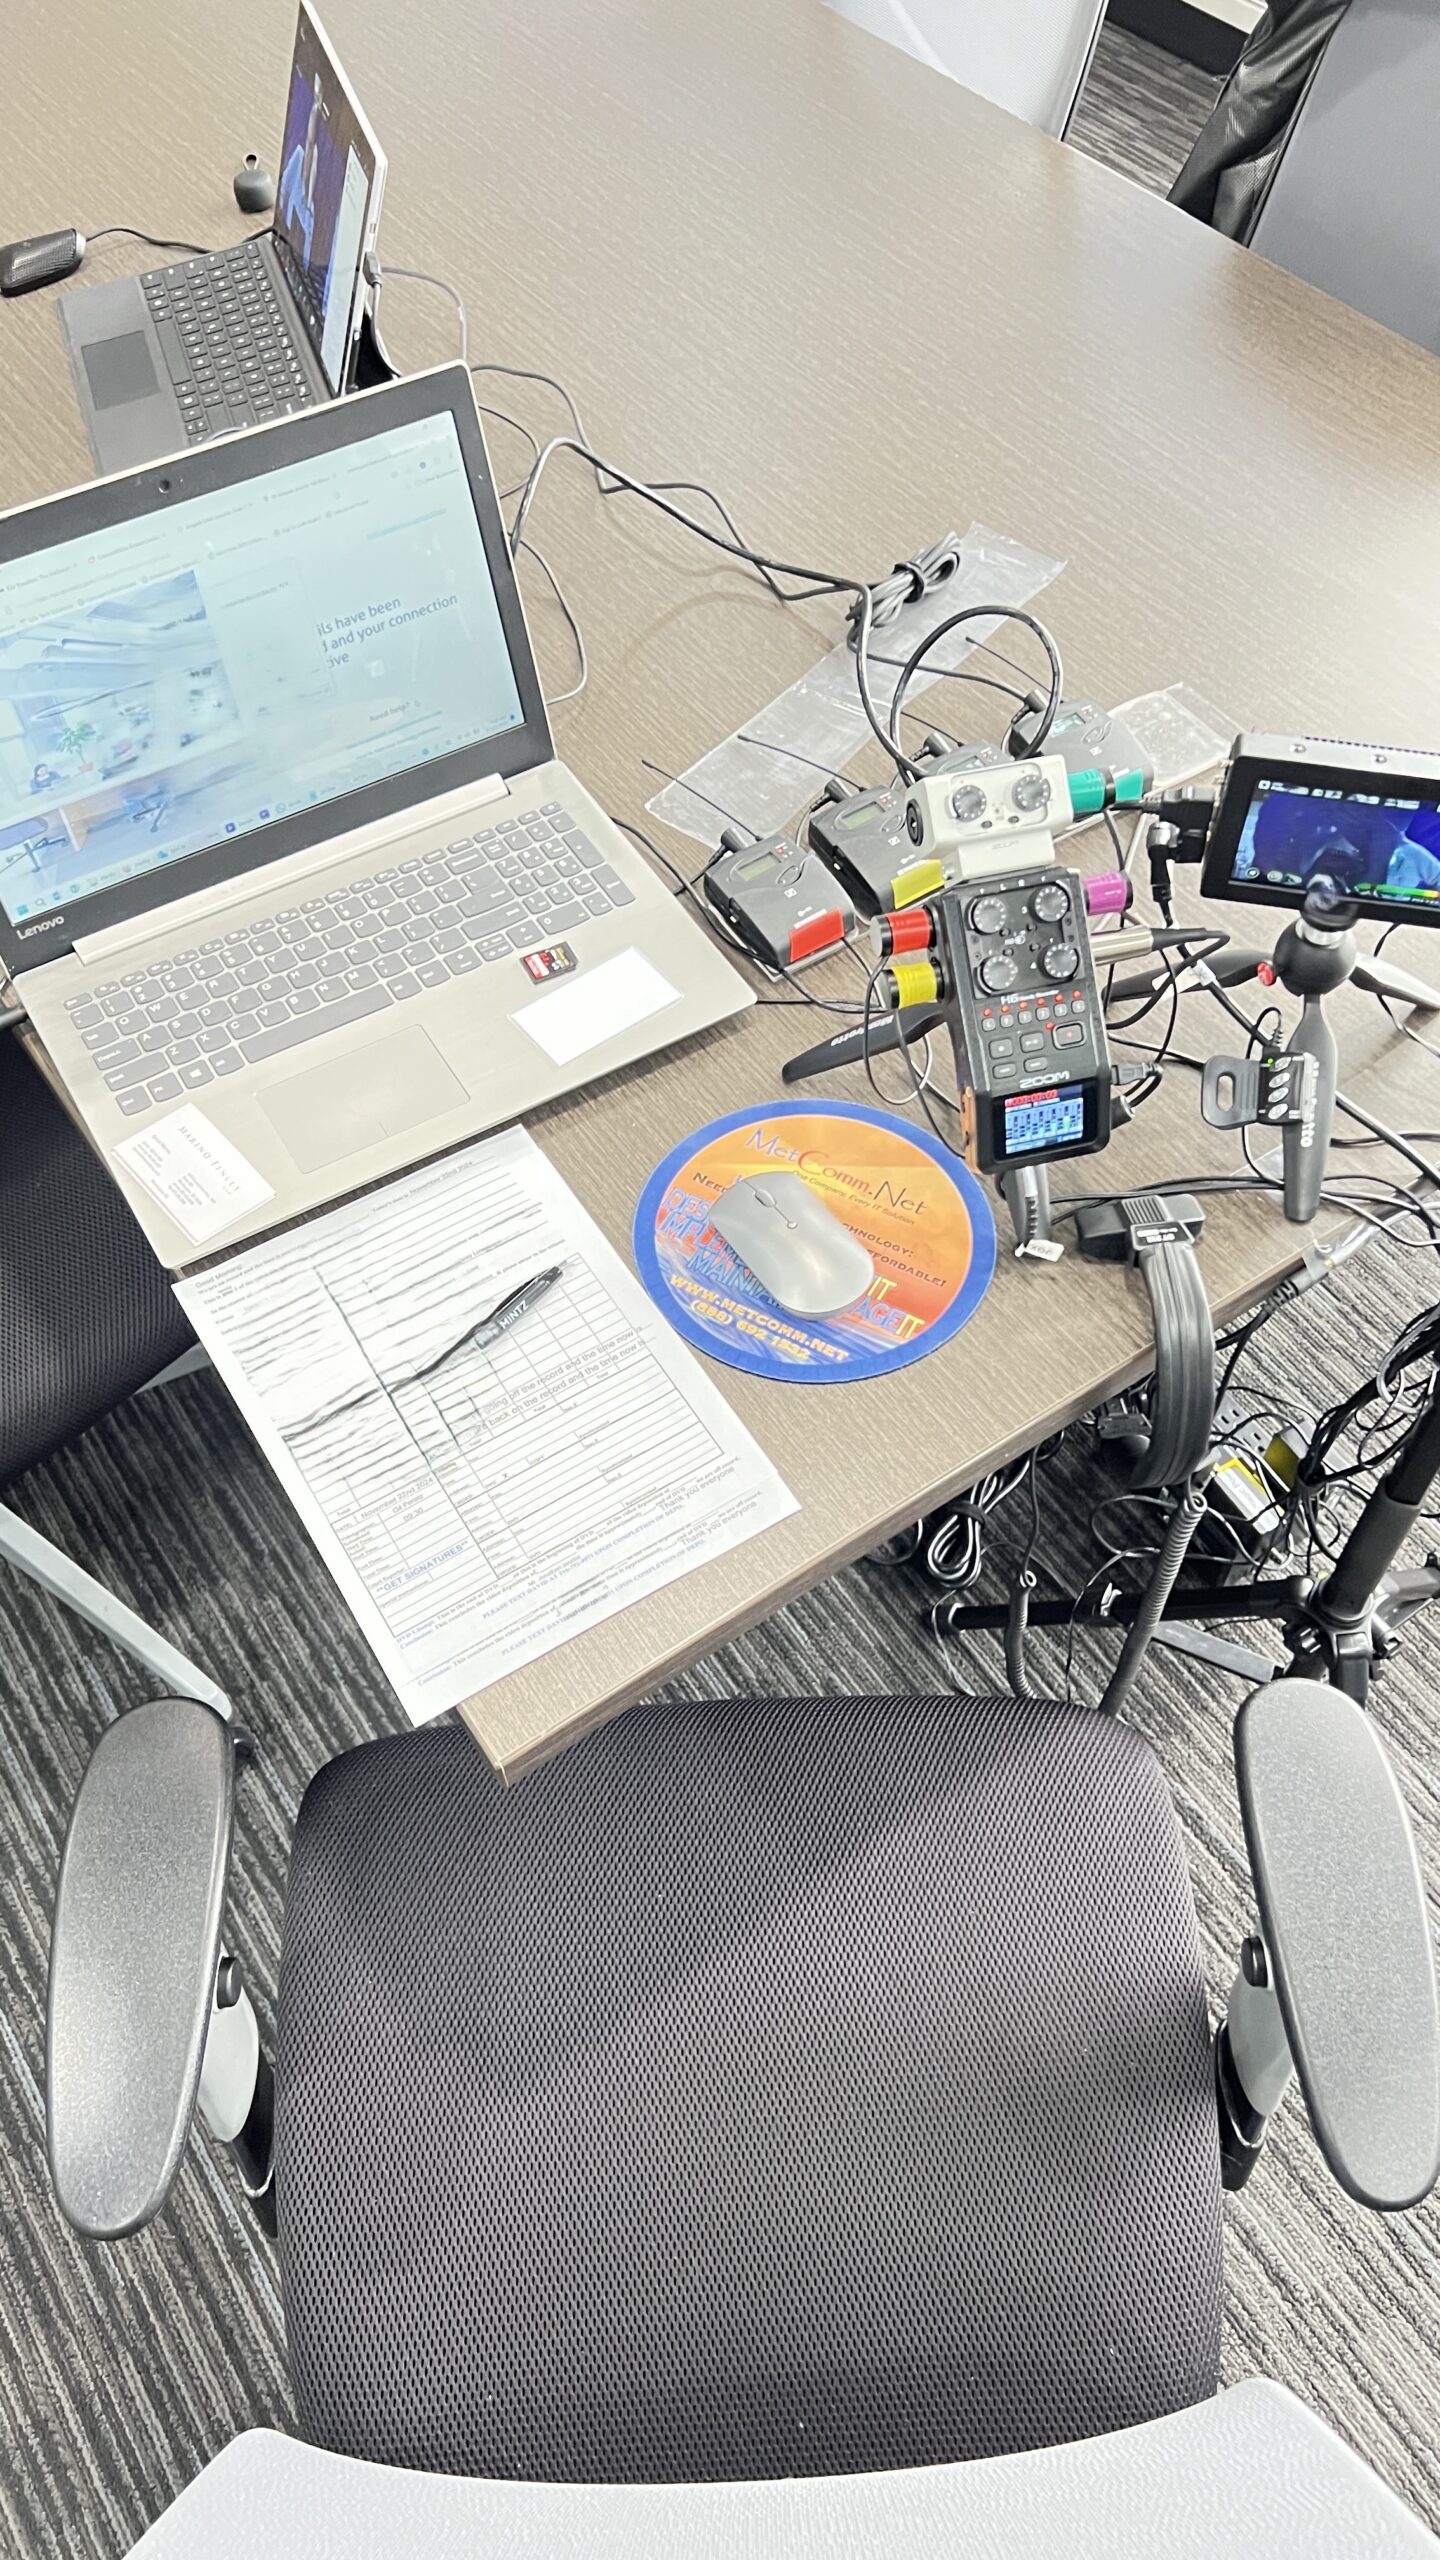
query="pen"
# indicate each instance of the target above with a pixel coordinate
(509, 1312)
(478, 1338)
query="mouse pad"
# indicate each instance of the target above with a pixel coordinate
(918, 1211)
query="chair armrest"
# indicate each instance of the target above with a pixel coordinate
(133, 1957)
(1347, 1934)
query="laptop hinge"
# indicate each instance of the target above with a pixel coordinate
(272, 879)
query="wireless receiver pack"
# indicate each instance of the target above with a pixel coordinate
(779, 900)
(861, 834)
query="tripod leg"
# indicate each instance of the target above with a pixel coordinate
(1341, 1618)
(1205, 1647)
(1025, 1190)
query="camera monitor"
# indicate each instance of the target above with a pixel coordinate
(1300, 814)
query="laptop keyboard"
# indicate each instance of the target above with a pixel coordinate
(230, 357)
(169, 1029)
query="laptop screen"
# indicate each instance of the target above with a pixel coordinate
(198, 672)
(323, 210)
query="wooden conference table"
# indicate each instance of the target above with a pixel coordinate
(765, 250)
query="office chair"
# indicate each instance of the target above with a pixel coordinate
(87, 1316)
(767, 2091)
(1032, 56)
(1320, 154)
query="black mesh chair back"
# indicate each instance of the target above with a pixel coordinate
(86, 1313)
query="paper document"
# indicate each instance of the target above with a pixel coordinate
(478, 1495)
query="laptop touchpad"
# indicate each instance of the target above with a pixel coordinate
(361, 1099)
(120, 369)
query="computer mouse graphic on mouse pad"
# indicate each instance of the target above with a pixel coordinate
(796, 1247)
(814, 1242)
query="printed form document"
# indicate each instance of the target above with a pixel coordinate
(479, 1499)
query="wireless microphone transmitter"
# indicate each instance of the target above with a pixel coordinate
(861, 834)
(778, 899)
(1083, 736)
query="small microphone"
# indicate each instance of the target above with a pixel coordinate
(27, 264)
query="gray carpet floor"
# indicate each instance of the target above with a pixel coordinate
(123, 2370)
(1142, 109)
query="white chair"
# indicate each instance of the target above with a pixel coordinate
(1028, 55)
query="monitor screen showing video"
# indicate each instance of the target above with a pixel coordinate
(325, 209)
(1380, 850)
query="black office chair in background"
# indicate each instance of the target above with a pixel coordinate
(1320, 153)
(771, 2091)
(87, 1317)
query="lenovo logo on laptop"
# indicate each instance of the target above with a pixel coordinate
(47, 924)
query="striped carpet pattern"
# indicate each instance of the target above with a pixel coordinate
(123, 2370)
(1152, 146)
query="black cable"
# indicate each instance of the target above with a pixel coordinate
(1205, 1183)
(1419, 1137)
(871, 984)
(682, 884)
(949, 1545)
(763, 562)
(1168, 1034)
(1020, 1591)
(1250, 1024)
(1071, 1201)
(748, 738)
(1127, 1555)
(1164, 1573)
(957, 675)
(953, 622)
(126, 231)
(611, 488)
(505, 420)
(1388, 1137)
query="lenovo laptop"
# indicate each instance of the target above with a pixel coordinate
(197, 350)
(288, 867)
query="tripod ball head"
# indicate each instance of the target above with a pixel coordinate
(1316, 953)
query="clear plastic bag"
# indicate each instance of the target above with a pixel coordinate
(819, 722)
(1181, 733)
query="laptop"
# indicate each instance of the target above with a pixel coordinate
(289, 871)
(184, 353)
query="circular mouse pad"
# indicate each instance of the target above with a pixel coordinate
(919, 1213)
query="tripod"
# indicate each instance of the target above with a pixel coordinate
(1339, 1628)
